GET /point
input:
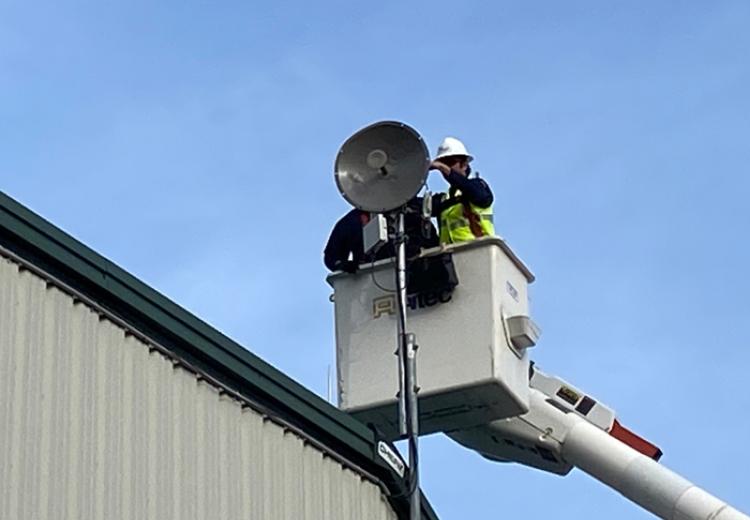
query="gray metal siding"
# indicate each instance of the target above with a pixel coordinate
(95, 423)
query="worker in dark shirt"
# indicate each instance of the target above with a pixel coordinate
(465, 212)
(345, 250)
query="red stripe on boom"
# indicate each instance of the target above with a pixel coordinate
(639, 444)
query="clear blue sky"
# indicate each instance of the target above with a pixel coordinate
(193, 143)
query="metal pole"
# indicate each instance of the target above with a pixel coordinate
(408, 405)
(413, 410)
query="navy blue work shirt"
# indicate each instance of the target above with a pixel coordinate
(345, 248)
(473, 190)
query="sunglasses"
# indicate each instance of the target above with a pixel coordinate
(452, 161)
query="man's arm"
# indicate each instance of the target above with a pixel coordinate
(336, 249)
(340, 246)
(475, 190)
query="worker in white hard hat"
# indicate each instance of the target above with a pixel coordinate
(465, 212)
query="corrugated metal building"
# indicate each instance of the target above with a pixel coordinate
(117, 403)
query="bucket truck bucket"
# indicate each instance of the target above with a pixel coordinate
(472, 362)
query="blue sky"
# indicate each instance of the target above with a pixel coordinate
(193, 144)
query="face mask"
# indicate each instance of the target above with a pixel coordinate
(468, 170)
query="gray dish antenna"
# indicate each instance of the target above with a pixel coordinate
(381, 167)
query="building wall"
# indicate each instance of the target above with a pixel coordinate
(96, 423)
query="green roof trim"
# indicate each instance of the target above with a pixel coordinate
(38, 241)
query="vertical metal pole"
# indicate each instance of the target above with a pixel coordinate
(413, 412)
(408, 405)
(403, 428)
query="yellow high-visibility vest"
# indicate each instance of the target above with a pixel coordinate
(454, 226)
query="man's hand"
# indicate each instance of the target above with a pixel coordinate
(348, 266)
(442, 167)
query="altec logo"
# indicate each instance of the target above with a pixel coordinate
(387, 304)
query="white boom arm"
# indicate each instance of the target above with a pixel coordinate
(566, 428)
(639, 478)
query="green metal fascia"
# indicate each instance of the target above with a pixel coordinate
(119, 290)
(57, 245)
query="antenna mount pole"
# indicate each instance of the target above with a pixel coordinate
(407, 355)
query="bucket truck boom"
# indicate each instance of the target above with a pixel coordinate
(565, 428)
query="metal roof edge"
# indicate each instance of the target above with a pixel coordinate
(41, 242)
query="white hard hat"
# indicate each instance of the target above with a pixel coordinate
(452, 146)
